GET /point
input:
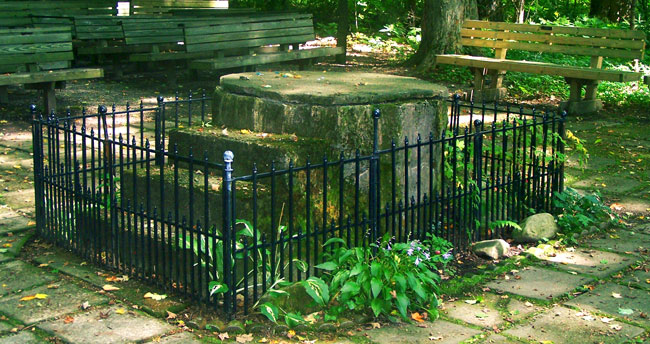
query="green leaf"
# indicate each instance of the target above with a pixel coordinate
(402, 304)
(301, 265)
(3, 250)
(293, 319)
(270, 311)
(217, 288)
(376, 286)
(377, 306)
(345, 256)
(317, 289)
(276, 293)
(247, 230)
(376, 269)
(333, 241)
(357, 269)
(350, 287)
(401, 282)
(329, 266)
(625, 311)
(415, 284)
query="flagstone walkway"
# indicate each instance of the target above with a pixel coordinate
(598, 293)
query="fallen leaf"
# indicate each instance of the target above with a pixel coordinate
(85, 305)
(244, 338)
(53, 286)
(120, 311)
(616, 327)
(68, 320)
(154, 296)
(528, 304)
(28, 298)
(291, 334)
(588, 318)
(435, 338)
(606, 320)
(617, 296)
(223, 336)
(481, 315)
(417, 317)
(104, 315)
(42, 265)
(171, 315)
(375, 325)
(108, 287)
(471, 302)
(625, 311)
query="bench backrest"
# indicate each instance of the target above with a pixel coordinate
(98, 27)
(595, 42)
(35, 49)
(251, 31)
(15, 13)
(139, 30)
(164, 7)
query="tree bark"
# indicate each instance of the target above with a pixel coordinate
(612, 10)
(441, 22)
(342, 30)
(491, 10)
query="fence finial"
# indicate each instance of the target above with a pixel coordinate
(228, 157)
(160, 99)
(376, 113)
(102, 109)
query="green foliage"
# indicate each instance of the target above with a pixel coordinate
(579, 212)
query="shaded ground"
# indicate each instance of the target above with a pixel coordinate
(599, 293)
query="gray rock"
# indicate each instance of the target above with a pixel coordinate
(234, 326)
(536, 227)
(327, 327)
(493, 249)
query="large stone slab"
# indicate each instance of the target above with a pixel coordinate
(624, 242)
(67, 298)
(591, 262)
(440, 332)
(12, 244)
(23, 337)
(336, 107)
(485, 312)
(602, 299)
(5, 326)
(16, 276)
(14, 222)
(90, 328)
(561, 325)
(638, 279)
(499, 339)
(539, 283)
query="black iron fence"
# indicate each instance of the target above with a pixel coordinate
(109, 188)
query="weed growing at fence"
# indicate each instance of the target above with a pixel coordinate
(579, 212)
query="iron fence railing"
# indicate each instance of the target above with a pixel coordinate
(115, 193)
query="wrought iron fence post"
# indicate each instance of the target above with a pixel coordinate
(476, 200)
(374, 180)
(229, 296)
(562, 132)
(37, 132)
(160, 157)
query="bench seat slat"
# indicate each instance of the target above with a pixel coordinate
(248, 60)
(51, 76)
(249, 35)
(169, 56)
(539, 68)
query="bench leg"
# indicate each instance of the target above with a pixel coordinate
(577, 105)
(488, 92)
(49, 98)
(4, 95)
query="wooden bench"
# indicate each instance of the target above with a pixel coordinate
(16, 13)
(594, 42)
(39, 58)
(138, 7)
(239, 44)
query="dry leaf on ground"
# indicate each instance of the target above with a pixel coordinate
(108, 287)
(244, 338)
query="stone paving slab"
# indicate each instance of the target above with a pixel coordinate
(590, 262)
(15, 242)
(5, 326)
(65, 299)
(20, 199)
(72, 265)
(561, 325)
(16, 276)
(443, 332)
(637, 279)
(539, 283)
(624, 242)
(177, 338)
(14, 222)
(601, 299)
(499, 339)
(486, 313)
(89, 327)
(24, 337)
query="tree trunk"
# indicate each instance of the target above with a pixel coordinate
(441, 22)
(612, 10)
(491, 10)
(342, 30)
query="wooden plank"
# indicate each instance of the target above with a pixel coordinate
(249, 60)
(555, 39)
(538, 68)
(247, 43)
(226, 28)
(35, 38)
(34, 30)
(34, 58)
(117, 49)
(100, 35)
(569, 30)
(169, 56)
(247, 35)
(35, 48)
(51, 76)
(588, 51)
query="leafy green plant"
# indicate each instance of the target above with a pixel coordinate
(578, 212)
